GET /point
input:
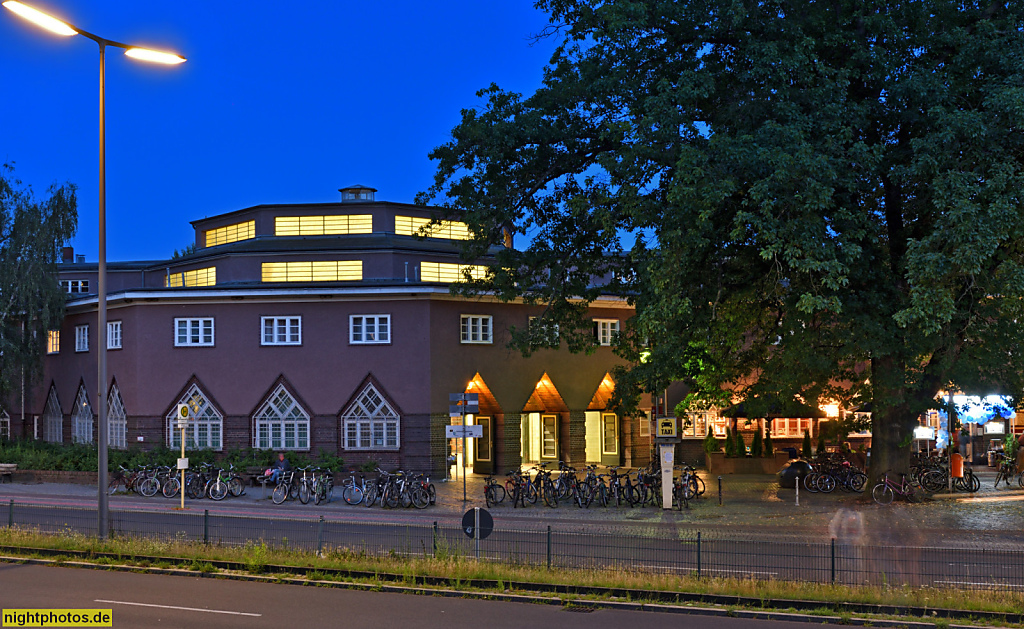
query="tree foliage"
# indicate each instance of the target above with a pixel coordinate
(32, 233)
(826, 197)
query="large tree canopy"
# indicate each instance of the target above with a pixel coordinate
(31, 300)
(827, 196)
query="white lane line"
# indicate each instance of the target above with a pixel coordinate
(187, 609)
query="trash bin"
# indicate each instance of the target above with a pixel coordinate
(991, 458)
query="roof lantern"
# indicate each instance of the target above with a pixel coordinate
(357, 194)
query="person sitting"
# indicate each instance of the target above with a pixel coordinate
(280, 467)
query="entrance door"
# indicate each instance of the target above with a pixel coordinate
(549, 437)
(610, 439)
(483, 448)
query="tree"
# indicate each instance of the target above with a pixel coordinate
(805, 449)
(741, 447)
(769, 449)
(821, 447)
(710, 443)
(825, 197)
(31, 300)
(757, 445)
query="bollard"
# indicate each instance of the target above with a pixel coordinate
(206, 526)
(798, 490)
(549, 547)
(320, 537)
(719, 491)
(10, 515)
(833, 561)
(435, 538)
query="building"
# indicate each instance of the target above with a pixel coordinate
(325, 326)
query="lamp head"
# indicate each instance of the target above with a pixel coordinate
(40, 19)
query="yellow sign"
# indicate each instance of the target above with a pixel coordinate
(667, 427)
(57, 618)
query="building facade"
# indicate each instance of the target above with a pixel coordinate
(325, 326)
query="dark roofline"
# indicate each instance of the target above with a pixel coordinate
(333, 204)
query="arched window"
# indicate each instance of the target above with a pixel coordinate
(5, 424)
(53, 418)
(205, 426)
(117, 421)
(81, 418)
(281, 424)
(370, 423)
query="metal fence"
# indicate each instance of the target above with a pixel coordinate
(688, 553)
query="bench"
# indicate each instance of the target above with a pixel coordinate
(8, 469)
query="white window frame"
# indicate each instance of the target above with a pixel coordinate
(53, 341)
(82, 418)
(370, 423)
(199, 328)
(281, 423)
(53, 418)
(205, 426)
(5, 424)
(82, 338)
(549, 330)
(370, 329)
(606, 330)
(476, 329)
(283, 330)
(117, 421)
(114, 334)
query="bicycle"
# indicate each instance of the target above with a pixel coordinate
(885, 490)
(494, 493)
(283, 490)
(1007, 470)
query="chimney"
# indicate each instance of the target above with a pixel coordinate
(67, 255)
(80, 258)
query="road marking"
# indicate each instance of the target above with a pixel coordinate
(187, 609)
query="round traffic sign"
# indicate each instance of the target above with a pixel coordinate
(469, 523)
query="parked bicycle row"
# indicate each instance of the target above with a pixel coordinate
(208, 481)
(831, 471)
(587, 487)
(387, 490)
(932, 474)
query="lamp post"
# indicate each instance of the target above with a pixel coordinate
(59, 27)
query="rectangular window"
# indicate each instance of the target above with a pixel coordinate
(195, 277)
(340, 224)
(230, 233)
(82, 338)
(416, 226)
(5, 425)
(448, 272)
(53, 342)
(193, 332)
(483, 444)
(546, 333)
(605, 330)
(75, 286)
(645, 426)
(476, 329)
(281, 330)
(549, 436)
(369, 329)
(113, 335)
(319, 271)
(611, 436)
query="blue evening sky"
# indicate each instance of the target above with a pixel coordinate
(278, 103)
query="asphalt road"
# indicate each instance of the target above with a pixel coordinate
(144, 600)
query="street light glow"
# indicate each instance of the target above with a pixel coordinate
(155, 56)
(41, 19)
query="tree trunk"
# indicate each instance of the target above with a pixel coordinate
(892, 423)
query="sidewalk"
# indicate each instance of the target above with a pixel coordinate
(751, 505)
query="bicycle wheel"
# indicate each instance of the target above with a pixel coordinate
(218, 490)
(550, 494)
(432, 493)
(280, 493)
(811, 482)
(699, 485)
(370, 495)
(489, 495)
(304, 492)
(857, 481)
(352, 494)
(390, 498)
(826, 483)
(882, 494)
(171, 487)
(117, 484)
(420, 497)
(933, 481)
(329, 490)
(499, 493)
(149, 487)
(1020, 479)
(405, 497)
(531, 493)
(318, 491)
(236, 487)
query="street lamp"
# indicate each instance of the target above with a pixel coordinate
(60, 27)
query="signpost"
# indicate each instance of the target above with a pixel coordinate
(666, 437)
(462, 404)
(477, 524)
(182, 413)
